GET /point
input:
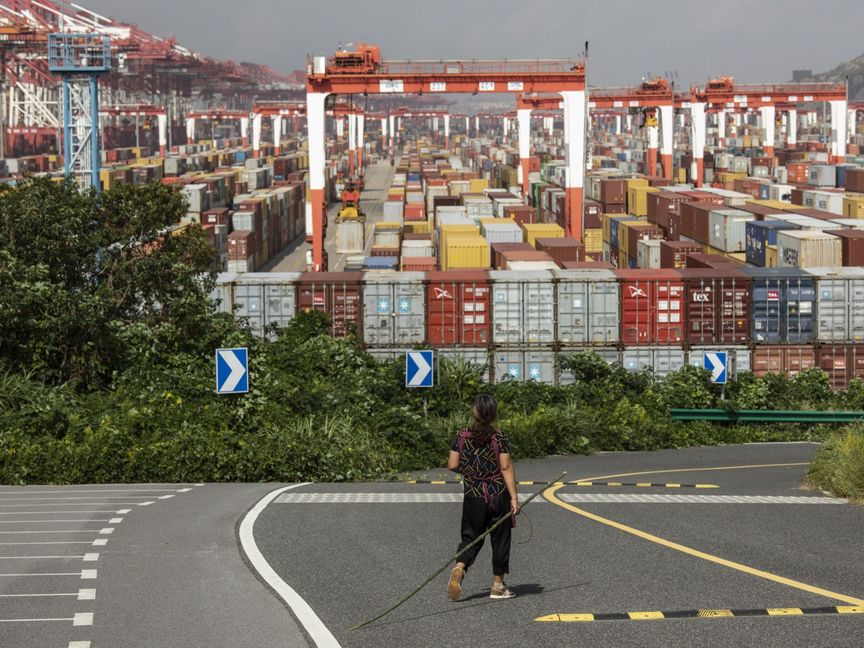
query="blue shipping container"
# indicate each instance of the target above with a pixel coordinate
(760, 234)
(240, 156)
(781, 305)
(764, 191)
(381, 263)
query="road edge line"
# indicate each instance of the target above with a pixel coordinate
(314, 627)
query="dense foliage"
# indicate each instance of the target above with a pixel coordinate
(839, 465)
(107, 339)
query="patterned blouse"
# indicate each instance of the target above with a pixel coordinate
(479, 466)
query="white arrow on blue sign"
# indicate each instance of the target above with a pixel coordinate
(419, 370)
(232, 371)
(715, 362)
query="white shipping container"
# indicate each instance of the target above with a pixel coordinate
(394, 308)
(393, 211)
(662, 361)
(505, 232)
(727, 229)
(808, 249)
(829, 201)
(412, 248)
(196, 195)
(536, 365)
(648, 254)
(522, 306)
(781, 192)
(350, 237)
(839, 304)
(587, 306)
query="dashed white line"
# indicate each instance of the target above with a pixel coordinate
(52, 531)
(145, 503)
(91, 491)
(78, 557)
(184, 490)
(56, 521)
(100, 542)
(91, 557)
(42, 574)
(53, 512)
(50, 620)
(88, 574)
(316, 629)
(113, 520)
(164, 497)
(86, 594)
(53, 594)
(124, 511)
(79, 644)
(83, 619)
(45, 542)
(107, 531)
(63, 499)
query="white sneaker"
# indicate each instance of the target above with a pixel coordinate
(501, 592)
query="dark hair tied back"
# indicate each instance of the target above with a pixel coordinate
(485, 413)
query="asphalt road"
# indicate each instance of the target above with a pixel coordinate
(161, 565)
(350, 553)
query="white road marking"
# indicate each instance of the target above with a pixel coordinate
(107, 531)
(146, 503)
(24, 491)
(86, 594)
(63, 499)
(44, 574)
(163, 497)
(45, 542)
(112, 520)
(50, 512)
(36, 620)
(314, 627)
(56, 504)
(88, 574)
(124, 511)
(91, 557)
(100, 542)
(53, 521)
(79, 644)
(83, 619)
(78, 557)
(184, 490)
(40, 595)
(53, 531)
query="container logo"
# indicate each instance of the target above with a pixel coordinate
(440, 293)
(701, 297)
(318, 300)
(384, 305)
(773, 295)
(404, 305)
(636, 291)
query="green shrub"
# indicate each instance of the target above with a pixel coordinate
(838, 466)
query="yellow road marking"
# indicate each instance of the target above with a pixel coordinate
(639, 616)
(673, 485)
(411, 481)
(575, 617)
(614, 484)
(707, 486)
(583, 483)
(850, 609)
(643, 484)
(525, 483)
(685, 470)
(438, 482)
(784, 611)
(550, 496)
(711, 614)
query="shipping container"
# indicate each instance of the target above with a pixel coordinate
(394, 309)
(808, 249)
(612, 355)
(587, 307)
(673, 254)
(718, 306)
(785, 360)
(561, 249)
(851, 246)
(782, 304)
(842, 362)
(760, 235)
(531, 364)
(458, 308)
(652, 306)
(648, 254)
(338, 294)
(728, 229)
(839, 304)
(661, 361)
(737, 358)
(477, 357)
(522, 307)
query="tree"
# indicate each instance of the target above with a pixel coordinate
(80, 273)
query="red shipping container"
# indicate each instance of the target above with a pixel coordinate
(562, 249)
(718, 306)
(587, 265)
(457, 308)
(852, 245)
(842, 362)
(521, 214)
(242, 244)
(419, 264)
(760, 211)
(661, 204)
(786, 359)
(695, 220)
(652, 306)
(855, 180)
(339, 294)
(798, 173)
(711, 261)
(593, 211)
(613, 192)
(415, 212)
(614, 208)
(498, 250)
(216, 217)
(636, 233)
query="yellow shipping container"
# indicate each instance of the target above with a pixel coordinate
(387, 225)
(455, 230)
(737, 256)
(637, 182)
(747, 141)
(637, 199)
(624, 235)
(593, 240)
(776, 204)
(606, 220)
(463, 252)
(418, 227)
(770, 256)
(853, 206)
(478, 185)
(533, 231)
(681, 175)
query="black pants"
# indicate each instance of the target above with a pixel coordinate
(477, 517)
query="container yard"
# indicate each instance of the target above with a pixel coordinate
(721, 214)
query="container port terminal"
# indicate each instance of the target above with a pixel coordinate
(646, 222)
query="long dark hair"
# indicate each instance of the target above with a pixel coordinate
(485, 413)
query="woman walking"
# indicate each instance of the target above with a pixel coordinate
(481, 454)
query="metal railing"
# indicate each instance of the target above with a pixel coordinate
(764, 416)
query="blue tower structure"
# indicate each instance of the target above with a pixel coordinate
(80, 59)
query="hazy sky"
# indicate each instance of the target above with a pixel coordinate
(753, 40)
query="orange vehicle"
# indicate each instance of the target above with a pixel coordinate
(361, 59)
